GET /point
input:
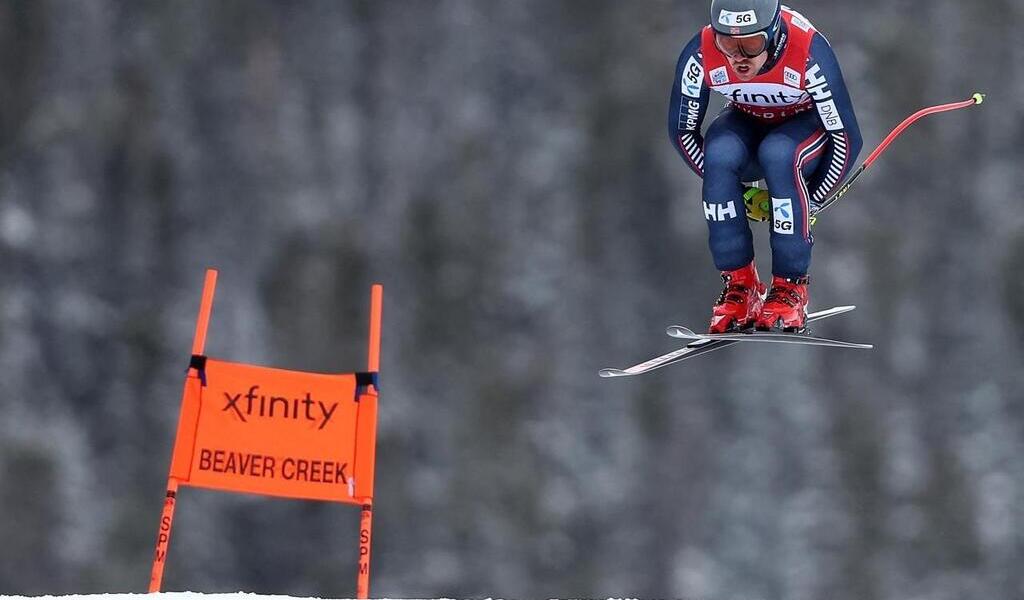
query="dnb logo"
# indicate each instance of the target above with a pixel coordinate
(782, 215)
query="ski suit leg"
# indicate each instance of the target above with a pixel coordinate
(730, 153)
(788, 154)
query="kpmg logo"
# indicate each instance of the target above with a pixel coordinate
(692, 115)
(251, 405)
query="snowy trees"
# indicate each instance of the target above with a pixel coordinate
(503, 169)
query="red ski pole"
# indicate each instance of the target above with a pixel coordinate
(976, 99)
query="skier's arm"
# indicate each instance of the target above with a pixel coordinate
(688, 105)
(835, 109)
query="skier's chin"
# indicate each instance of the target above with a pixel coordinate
(744, 71)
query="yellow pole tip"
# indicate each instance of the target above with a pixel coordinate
(978, 97)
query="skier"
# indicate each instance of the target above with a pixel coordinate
(788, 120)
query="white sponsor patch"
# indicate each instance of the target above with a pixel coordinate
(791, 77)
(737, 19)
(800, 21)
(692, 115)
(829, 115)
(719, 76)
(782, 215)
(817, 84)
(720, 212)
(693, 77)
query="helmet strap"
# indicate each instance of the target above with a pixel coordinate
(776, 44)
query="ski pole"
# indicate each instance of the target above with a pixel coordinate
(974, 100)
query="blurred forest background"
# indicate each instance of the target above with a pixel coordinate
(503, 169)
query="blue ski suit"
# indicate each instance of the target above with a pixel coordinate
(768, 130)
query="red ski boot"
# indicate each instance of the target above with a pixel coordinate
(786, 306)
(740, 302)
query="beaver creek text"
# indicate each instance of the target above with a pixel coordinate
(274, 467)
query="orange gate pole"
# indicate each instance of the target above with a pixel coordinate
(365, 536)
(163, 537)
(366, 521)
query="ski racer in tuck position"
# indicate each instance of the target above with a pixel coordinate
(789, 121)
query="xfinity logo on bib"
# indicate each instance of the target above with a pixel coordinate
(762, 94)
(693, 76)
(782, 215)
(737, 19)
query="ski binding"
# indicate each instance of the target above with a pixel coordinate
(704, 343)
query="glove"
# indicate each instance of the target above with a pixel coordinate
(758, 203)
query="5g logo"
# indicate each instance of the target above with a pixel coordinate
(782, 215)
(737, 19)
(693, 76)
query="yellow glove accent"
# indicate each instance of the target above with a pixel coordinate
(758, 203)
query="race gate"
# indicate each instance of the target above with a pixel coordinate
(258, 430)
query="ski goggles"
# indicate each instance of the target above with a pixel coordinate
(745, 46)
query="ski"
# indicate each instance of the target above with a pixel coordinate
(780, 337)
(689, 351)
(702, 346)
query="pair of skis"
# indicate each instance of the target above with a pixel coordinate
(709, 342)
(704, 343)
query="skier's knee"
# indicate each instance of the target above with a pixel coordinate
(777, 153)
(724, 153)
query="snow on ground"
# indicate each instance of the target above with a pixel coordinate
(161, 596)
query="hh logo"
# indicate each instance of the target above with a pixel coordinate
(817, 85)
(782, 215)
(720, 212)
